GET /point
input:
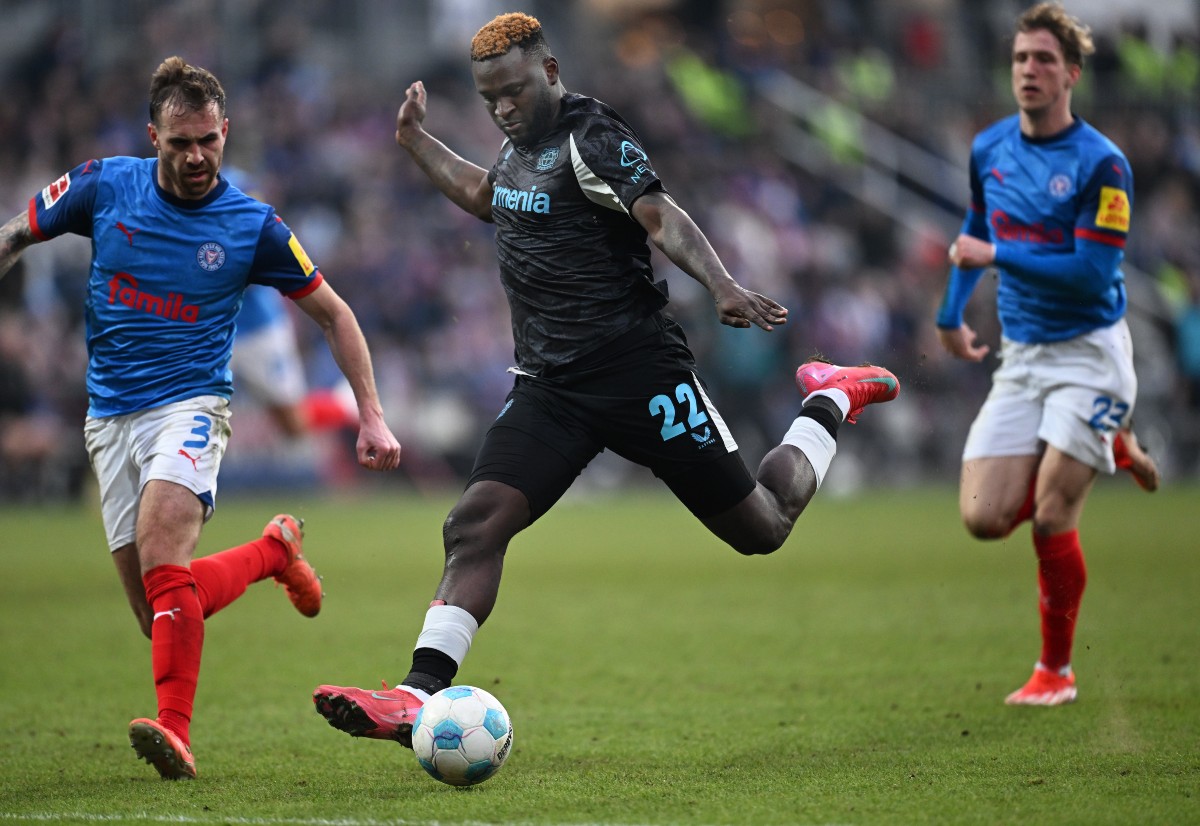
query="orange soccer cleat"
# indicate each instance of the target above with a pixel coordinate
(1130, 456)
(163, 749)
(1045, 688)
(301, 582)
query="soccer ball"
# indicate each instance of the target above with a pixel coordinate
(462, 735)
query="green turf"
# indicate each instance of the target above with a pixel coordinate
(653, 676)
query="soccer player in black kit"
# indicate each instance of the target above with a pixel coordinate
(574, 197)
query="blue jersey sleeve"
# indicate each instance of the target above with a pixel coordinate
(961, 283)
(281, 262)
(66, 205)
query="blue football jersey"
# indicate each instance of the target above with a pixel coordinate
(1058, 211)
(166, 279)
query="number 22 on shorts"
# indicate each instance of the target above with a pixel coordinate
(662, 405)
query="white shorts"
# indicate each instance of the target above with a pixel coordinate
(266, 365)
(182, 442)
(1072, 395)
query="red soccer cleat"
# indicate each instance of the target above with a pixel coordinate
(383, 715)
(863, 385)
(163, 749)
(1045, 688)
(301, 582)
(1130, 456)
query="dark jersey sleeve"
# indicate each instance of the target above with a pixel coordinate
(612, 152)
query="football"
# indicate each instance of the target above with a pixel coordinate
(462, 735)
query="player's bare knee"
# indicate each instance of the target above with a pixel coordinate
(989, 525)
(470, 536)
(765, 539)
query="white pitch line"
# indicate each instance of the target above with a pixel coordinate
(145, 817)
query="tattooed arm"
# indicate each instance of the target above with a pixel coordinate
(15, 236)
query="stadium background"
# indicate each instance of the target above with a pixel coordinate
(821, 145)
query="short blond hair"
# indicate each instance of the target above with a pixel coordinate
(1074, 36)
(503, 33)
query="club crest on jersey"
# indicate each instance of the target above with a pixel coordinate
(547, 159)
(210, 256)
(1059, 187)
(634, 158)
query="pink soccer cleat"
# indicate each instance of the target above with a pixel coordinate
(163, 749)
(383, 715)
(863, 385)
(298, 579)
(1045, 688)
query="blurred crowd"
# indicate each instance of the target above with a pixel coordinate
(311, 119)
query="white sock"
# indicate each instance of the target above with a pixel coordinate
(837, 394)
(448, 629)
(814, 441)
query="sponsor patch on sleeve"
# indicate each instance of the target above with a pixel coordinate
(302, 258)
(1114, 209)
(52, 193)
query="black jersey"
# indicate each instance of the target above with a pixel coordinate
(574, 263)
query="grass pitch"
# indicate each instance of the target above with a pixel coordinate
(653, 676)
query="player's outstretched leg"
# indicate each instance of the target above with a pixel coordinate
(863, 385)
(1129, 456)
(163, 749)
(382, 715)
(298, 579)
(1045, 688)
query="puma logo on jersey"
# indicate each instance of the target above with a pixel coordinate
(128, 232)
(190, 458)
(169, 614)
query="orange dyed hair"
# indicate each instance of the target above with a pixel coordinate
(515, 29)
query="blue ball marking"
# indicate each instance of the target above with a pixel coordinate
(496, 722)
(447, 735)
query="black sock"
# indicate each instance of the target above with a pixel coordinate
(825, 412)
(431, 670)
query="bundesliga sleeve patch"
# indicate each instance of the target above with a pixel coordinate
(302, 258)
(54, 192)
(1114, 209)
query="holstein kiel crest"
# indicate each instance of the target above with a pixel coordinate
(210, 256)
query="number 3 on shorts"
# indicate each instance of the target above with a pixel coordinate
(662, 405)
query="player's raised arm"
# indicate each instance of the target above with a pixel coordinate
(461, 181)
(674, 232)
(15, 236)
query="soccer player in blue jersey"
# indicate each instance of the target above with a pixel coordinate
(574, 198)
(1051, 201)
(174, 247)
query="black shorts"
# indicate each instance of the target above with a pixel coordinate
(638, 396)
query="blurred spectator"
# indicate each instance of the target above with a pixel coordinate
(315, 121)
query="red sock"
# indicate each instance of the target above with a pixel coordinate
(222, 577)
(176, 640)
(1062, 576)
